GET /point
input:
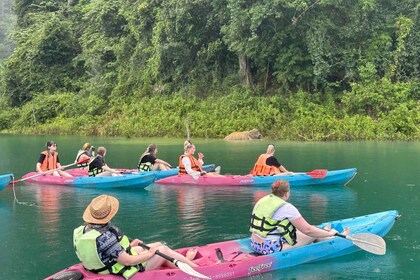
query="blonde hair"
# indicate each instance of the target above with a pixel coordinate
(280, 188)
(86, 146)
(270, 149)
(187, 145)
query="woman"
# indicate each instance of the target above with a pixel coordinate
(104, 249)
(86, 152)
(277, 225)
(267, 164)
(49, 162)
(149, 162)
(98, 167)
(188, 164)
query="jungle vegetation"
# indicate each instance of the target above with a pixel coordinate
(298, 69)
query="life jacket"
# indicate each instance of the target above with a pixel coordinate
(81, 152)
(50, 161)
(195, 165)
(87, 252)
(263, 224)
(144, 166)
(261, 168)
(92, 172)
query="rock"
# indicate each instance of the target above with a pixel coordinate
(253, 134)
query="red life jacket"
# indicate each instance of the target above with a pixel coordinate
(261, 168)
(195, 165)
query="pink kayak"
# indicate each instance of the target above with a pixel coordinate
(235, 258)
(315, 177)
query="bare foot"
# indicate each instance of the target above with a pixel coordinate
(327, 227)
(191, 253)
(345, 231)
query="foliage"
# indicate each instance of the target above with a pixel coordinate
(302, 69)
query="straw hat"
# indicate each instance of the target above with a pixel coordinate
(101, 209)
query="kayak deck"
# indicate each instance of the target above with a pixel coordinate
(235, 258)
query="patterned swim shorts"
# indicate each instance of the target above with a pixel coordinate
(267, 247)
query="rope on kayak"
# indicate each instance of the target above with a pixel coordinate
(15, 198)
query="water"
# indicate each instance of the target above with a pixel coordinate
(36, 235)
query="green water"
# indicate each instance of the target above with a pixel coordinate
(36, 235)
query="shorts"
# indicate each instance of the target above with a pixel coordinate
(268, 246)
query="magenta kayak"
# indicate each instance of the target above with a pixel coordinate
(330, 177)
(235, 258)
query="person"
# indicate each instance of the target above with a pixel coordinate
(98, 167)
(49, 161)
(268, 165)
(86, 152)
(188, 164)
(277, 225)
(149, 162)
(104, 249)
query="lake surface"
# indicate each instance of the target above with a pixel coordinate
(36, 235)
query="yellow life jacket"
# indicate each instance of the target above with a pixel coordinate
(263, 224)
(87, 252)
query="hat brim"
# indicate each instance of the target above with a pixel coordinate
(88, 218)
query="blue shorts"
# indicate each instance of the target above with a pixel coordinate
(268, 246)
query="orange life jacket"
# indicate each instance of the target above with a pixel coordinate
(195, 165)
(50, 161)
(261, 168)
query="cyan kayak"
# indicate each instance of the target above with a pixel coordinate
(135, 180)
(233, 259)
(5, 180)
(332, 177)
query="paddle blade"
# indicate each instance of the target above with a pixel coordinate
(318, 173)
(189, 270)
(369, 242)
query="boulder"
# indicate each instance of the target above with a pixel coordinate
(253, 134)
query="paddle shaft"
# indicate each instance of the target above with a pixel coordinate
(50, 171)
(181, 265)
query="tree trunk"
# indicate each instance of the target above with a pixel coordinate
(245, 71)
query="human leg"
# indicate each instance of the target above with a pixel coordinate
(156, 261)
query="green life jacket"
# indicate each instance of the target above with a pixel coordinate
(94, 171)
(263, 224)
(144, 166)
(87, 252)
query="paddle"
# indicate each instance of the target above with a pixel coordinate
(183, 266)
(317, 173)
(50, 171)
(369, 242)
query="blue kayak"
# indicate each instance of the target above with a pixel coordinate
(235, 258)
(134, 180)
(5, 180)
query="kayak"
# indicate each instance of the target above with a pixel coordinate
(235, 258)
(5, 180)
(332, 177)
(138, 180)
(159, 174)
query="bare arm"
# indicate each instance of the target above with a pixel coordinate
(303, 226)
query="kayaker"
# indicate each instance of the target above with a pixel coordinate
(277, 225)
(86, 152)
(188, 164)
(104, 249)
(267, 164)
(49, 160)
(149, 162)
(98, 167)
